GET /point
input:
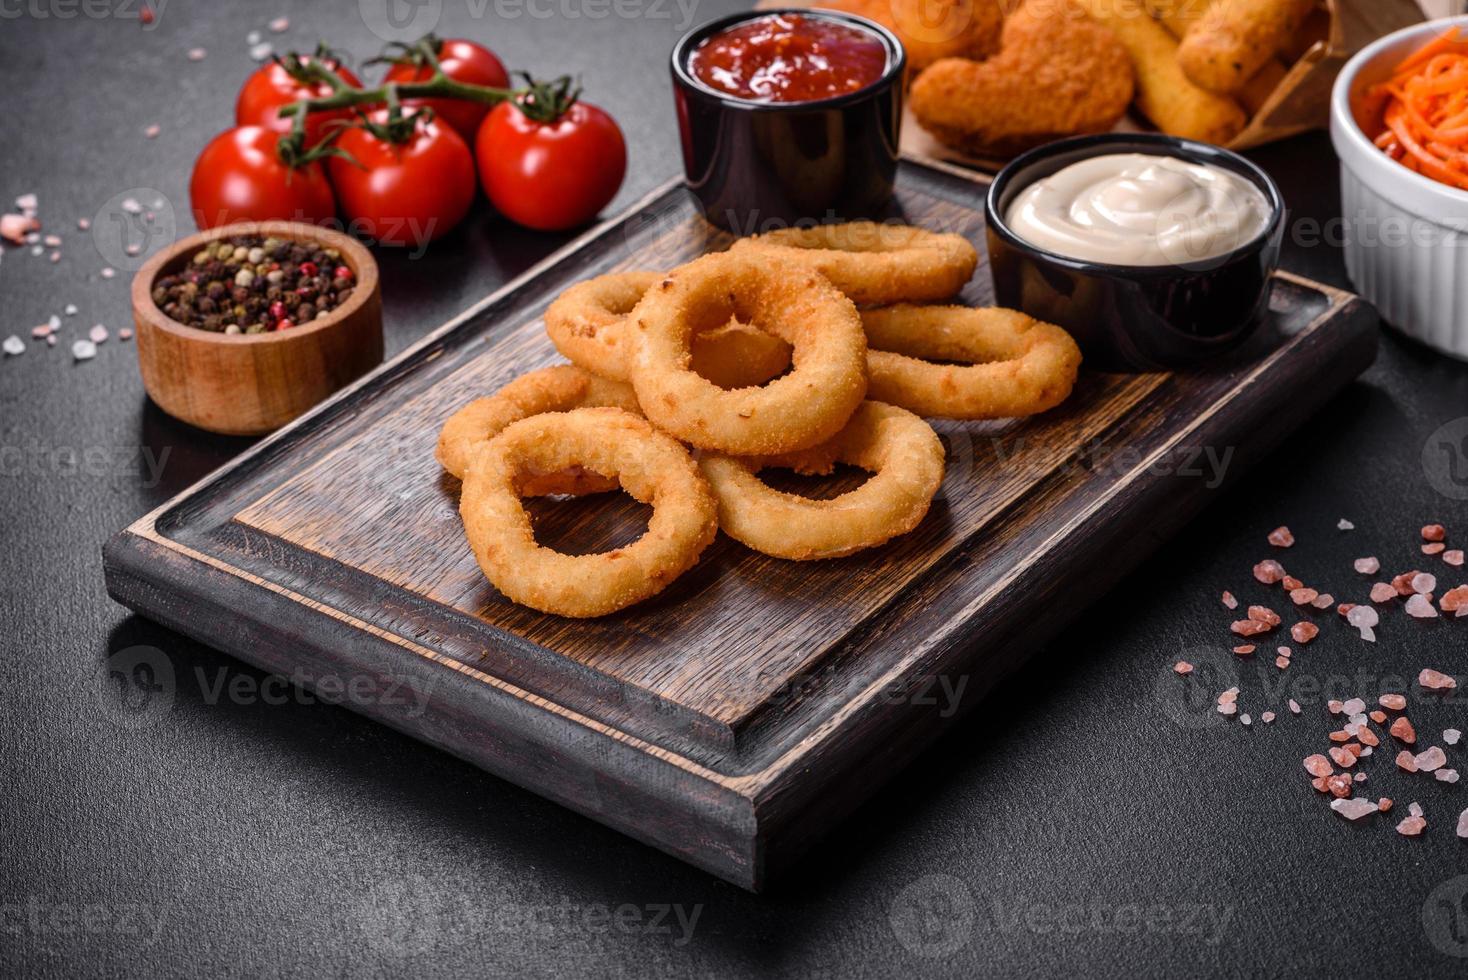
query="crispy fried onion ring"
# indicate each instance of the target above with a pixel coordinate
(650, 466)
(805, 407)
(901, 451)
(1013, 365)
(559, 388)
(588, 325)
(875, 263)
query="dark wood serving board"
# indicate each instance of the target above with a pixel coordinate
(735, 717)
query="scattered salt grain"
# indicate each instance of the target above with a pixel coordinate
(1415, 809)
(1245, 720)
(1364, 618)
(1463, 824)
(52, 241)
(1402, 731)
(82, 224)
(1435, 680)
(1435, 548)
(1451, 736)
(1227, 708)
(1411, 827)
(13, 346)
(1269, 572)
(27, 202)
(1281, 537)
(37, 249)
(1360, 777)
(197, 54)
(1406, 761)
(1446, 775)
(55, 256)
(1354, 808)
(1420, 607)
(1432, 759)
(98, 333)
(108, 272)
(1335, 707)
(41, 332)
(1303, 632)
(1424, 583)
(152, 131)
(1229, 601)
(71, 309)
(1229, 696)
(1182, 667)
(1345, 525)
(1367, 566)
(1382, 592)
(1455, 601)
(253, 37)
(261, 51)
(83, 350)
(1353, 707)
(126, 333)
(1294, 706)
(1318, 765)
(1267, 717)
(279, 25)
(1434, 532)
(1323, 601)
(1396, 702)
(51, 340)
(1454, 557)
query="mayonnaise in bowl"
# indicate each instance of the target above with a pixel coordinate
(1137, 209)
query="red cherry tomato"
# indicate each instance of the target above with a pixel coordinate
(550, 175)
(271, 87)
(239, 177)
(408, 193)
(463, 61)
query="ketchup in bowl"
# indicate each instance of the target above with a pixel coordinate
(789, 58)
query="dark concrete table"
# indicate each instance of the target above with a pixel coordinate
(1084, 821)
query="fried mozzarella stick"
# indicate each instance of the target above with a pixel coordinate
(1164, 94)
(1235, 38)
(1179, 16)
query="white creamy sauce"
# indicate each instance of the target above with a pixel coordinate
(1138, 209)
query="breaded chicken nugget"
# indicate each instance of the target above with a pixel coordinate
(934, 29)
(1056, 74)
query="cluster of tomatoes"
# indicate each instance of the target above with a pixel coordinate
(402, 172)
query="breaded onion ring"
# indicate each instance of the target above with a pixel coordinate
(588, 325)
(650, 466)
(875, 263)
(1015, 365)
(900, 450)
(798, 410)
(559, 388)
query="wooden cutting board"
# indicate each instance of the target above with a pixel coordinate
(735, 717)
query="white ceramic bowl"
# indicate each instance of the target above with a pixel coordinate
(1406, 236)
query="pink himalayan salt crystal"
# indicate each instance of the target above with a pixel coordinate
(1382, 592)
(1335, 707)
(1294, 706)
(152, 131)
(1446, 775)
(1360, 777)
(1229, 601)
(1267, 717)
(1421, 607)
(1250, 627)
(1304, 596)
(1318, 765)
(1411, 826)
(1414, 809)
(1345, 525)
(1454, 557)
(1227, 708)
(1229, 696)
(1182, 667)
(1393, 702)
(1435, 680)
(1433, 758)
(1455, 601)
(1354, 808)
(82, 224)
(1245, 720)
(1354, 706)
(14, 227)
(98, 334)
(1434, 532)
(1368, 566)
(1282, 663)
(1423, 582)
(1436, 548)
(126, 333)
(1263, 614)
(1463, 824)
(1451, 736)
(1270, 572)
(1406, 761)
(1323, 601)
(1281, 537)
(1343, 757)
(1303, 632)
(1244, 649)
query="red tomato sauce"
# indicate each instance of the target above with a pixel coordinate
(789, 58)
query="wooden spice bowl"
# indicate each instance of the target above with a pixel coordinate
(250, 384)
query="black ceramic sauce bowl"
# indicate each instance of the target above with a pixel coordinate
(758, 166)
(1135, 317)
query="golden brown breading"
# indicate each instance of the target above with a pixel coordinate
(933, 29)
(1056, 74)
(1235, 38)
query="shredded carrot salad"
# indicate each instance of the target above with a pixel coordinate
(1425, 110)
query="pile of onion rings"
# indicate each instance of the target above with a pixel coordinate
(799, 349)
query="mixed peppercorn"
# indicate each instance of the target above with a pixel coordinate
(249, 284)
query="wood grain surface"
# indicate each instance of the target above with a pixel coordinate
(754, 703)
